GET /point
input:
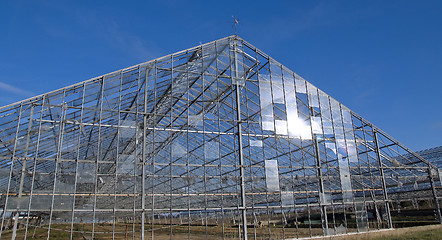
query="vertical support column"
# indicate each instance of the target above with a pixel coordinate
(8, 191)
(321, 186)
(436, 201)
(240, 150)
(58, 144)
(143, 161)
(23, 173)
(384, 186)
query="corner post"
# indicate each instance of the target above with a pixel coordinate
(384, 185)
(433, 189)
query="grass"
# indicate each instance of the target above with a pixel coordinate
(431, 232)
(123, 231)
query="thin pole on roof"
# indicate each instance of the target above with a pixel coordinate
(235, 23)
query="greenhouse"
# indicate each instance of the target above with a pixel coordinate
(218, 141)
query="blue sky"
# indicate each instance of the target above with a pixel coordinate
(382, 59)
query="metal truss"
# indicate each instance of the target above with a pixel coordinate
(218, 141)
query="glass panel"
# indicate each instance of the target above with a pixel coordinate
(331, 146)
(178, 150)
(42, 202)
(281, 127)
(125, 164)
(325, 113)
(256, 143)
(316, 125)
(349, 136)
(86, 173)
(18, 203)
(351, 150)
(440, 176)
(361, 217)
(127, 129)
(312, 95)
(196, 120)
(4, 172)
(291, 107)
(299, 129)
(300, 85)
(265, 98)
(325, 198)
(344, 171)
(287, 199)
(272, 175)
(211, 150)
(277, 89)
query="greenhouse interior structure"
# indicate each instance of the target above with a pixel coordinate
(218, 141)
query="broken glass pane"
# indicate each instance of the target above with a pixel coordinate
(341, 229)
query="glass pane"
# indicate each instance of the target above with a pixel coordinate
(316, 125)
(196, 120)
(265, 98)
(277, 89)
(312, 95)
(281, 127)
(272, 175)
(287, 199)
(256, 143)
(178, 150)
(127, 129)
(300, 85)
(211, 150)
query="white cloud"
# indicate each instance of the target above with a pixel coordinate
(4, 87)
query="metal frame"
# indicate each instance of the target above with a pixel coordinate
(218, 141)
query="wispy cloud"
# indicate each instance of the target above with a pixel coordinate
(130, 43)
(108, 31)
(98, 28)
(4, 87)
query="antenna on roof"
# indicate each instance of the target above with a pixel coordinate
(235, 23)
